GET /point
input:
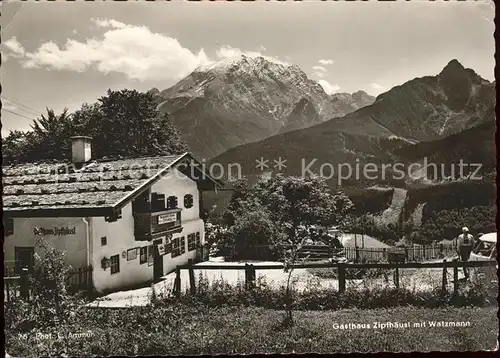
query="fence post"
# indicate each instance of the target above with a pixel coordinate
(396, 276)
(7, 288)
(252, 276)
(23, 284)
(80, 277)
(249, 276)
(357, 255)
(88, 278)
(192, 286)
(455, 278)
(445, 281)
(341, 268)
(177, 282)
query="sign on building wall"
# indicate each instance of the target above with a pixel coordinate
(167, 218)
(55, 231)
(132, 254)
(161, 249)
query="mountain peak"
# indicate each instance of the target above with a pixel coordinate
(452, 67)
(239, 60)
(223, 64)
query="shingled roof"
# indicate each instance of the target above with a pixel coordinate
(98, 188)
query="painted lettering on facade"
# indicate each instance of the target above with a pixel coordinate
(55, 231)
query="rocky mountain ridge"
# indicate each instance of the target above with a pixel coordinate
(242, 100)
(422, 110)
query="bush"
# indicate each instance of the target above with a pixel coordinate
(446, 222)
(216, 321)
(315, 297)
(49, 306)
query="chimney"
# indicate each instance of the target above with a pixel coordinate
(80, 149)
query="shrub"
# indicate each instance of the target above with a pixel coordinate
(49, 310)
(316, 297)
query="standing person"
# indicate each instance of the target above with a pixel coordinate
(464, 247)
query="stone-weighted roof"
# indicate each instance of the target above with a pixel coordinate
(98, 184)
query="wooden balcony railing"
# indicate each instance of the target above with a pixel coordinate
(150, 225)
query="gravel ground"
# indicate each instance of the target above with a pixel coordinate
(418, 279)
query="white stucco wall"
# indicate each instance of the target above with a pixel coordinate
(119, 238)
(179, 185)
(74, 245)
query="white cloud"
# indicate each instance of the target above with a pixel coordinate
(376, 86)
(326, 61)
(328, 87)
(319, 69)
(262, 48)
(14, 47)
(134, 51)
(229, 52)
(108, 23)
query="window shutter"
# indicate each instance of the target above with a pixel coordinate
(172, 202)
(188, 201)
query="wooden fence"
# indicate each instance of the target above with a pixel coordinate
(17, 284)
(313, 253)
(411, 254)
(250, 271)
(80, 279)
(265, 253)
(9, 268)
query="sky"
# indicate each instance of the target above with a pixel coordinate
(59, 55)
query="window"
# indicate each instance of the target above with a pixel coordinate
(175, 247)
(9, 227)
(172, 202)
(104, 241)
(188, 201)
(143, 255)
(182, 248)
(198, 239)
(168, 247)
(115, 264)
(157, 202)
(191, 242)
